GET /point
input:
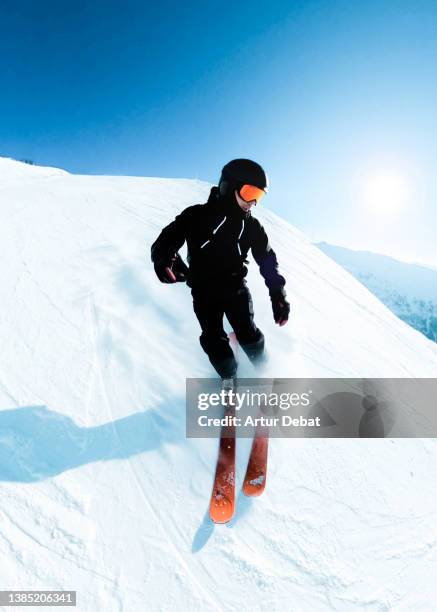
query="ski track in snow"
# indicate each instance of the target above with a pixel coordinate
(94, 346)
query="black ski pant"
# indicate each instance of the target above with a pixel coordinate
(210, 305)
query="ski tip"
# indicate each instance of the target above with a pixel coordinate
(221, 520)
(220, 517)
(254, 488)
(253, 491)
(221, 510)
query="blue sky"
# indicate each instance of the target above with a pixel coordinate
(336, 99)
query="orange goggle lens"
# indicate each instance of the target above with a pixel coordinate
(249, 193)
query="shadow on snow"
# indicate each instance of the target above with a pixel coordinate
(37, 443)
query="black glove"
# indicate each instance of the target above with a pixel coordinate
(280, 306)
(171, 269)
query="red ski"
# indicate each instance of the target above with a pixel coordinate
(256, 472)
(222, 506)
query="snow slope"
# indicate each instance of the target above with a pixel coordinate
(100, 490)
(409, 290)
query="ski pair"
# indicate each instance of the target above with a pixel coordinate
(222, 506)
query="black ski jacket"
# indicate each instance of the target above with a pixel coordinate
(219, 235)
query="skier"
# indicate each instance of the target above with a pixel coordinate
(219, 235)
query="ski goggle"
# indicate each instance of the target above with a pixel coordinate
(250, 192)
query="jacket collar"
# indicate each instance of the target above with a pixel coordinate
(228, 205)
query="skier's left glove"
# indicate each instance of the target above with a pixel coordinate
(280, 306)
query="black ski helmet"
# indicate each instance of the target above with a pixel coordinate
(239, 172)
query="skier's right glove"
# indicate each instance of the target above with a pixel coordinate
(280, 306)
(171, 269)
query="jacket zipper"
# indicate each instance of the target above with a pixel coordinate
(214, 231)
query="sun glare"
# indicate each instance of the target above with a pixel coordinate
(386, 192)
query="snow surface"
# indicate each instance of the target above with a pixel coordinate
(409, 290)
(100, 490)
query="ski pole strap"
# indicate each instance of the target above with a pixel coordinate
(170, 274)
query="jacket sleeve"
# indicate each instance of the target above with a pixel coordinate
(266, 259)
(170, 240)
